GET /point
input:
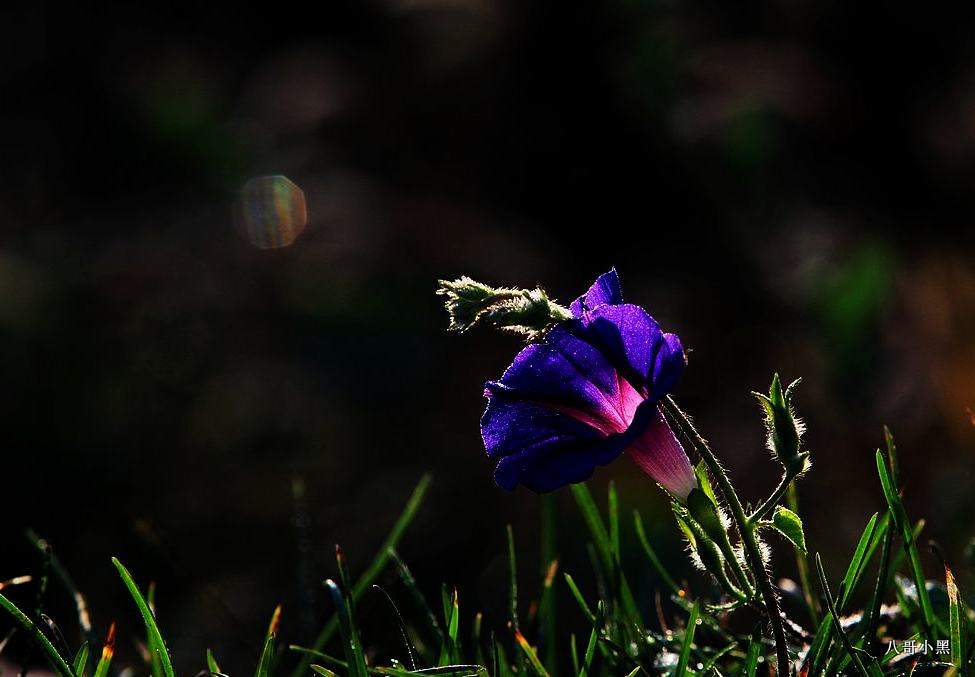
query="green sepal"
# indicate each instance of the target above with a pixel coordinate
(704, 511)
(704, 481)
(702, 544)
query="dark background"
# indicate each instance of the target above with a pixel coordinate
(787, 185)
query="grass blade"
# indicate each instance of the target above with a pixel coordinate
(53, 657)
(548, 604)
(858, 562)
(614, 521)
(157, 646)
(590, 513)
(879, 590)
(155, 662)
(350, 641)
(591, 646)
(419, 599)
(512, 580)
(322, 670)
(604, 549)
(854, 571)
(81, 605)
(954, 618)
(754, 651)
(212, 664)
(685, 649)
(580, 600)
(451, 651)
(529, 651)
(641, 535)
(901, 521)
(108, 651)
(80, 664)
(375, 568)
(267, 653)
(836, 618)
(547, 617)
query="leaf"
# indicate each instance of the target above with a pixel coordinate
(321, 670)
(158, 646)
(789, 525)
(754, 651)
(685, 650)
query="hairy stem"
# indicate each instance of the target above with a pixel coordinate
(773, 499)
(753, 552)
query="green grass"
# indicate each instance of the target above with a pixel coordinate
(682, 628)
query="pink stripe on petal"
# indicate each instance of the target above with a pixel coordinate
(661, 456)
(617, 412)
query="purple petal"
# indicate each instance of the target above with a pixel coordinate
(605, 290)
(541, 448)
(566, 371)
(627, 336)
(658, 453)
(668, 366)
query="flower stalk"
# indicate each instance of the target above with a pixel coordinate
(775, 498)
(746, 529)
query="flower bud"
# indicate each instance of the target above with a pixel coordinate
(783, 426)
(529, 312)
(703, 511)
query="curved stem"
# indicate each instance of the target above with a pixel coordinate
(736, 568)
(752, 551)
(773, 499)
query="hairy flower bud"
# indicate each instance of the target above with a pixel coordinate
(529, 312)
(783, 426)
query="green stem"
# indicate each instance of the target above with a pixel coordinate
(773, 499)
(752, 551)
(802, 564)
(732, 558)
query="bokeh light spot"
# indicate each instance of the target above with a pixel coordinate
(271, 211)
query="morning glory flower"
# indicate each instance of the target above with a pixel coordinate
(584, 394)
